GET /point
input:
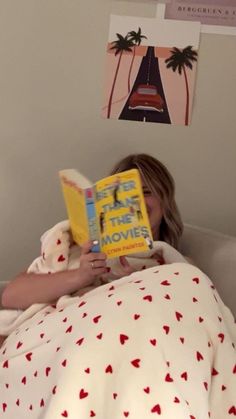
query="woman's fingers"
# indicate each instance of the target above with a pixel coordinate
(86, 247)
(124, 262)
(125, 265)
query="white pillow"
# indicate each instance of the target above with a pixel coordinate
(215, 254)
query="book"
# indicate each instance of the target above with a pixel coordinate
(111, 212)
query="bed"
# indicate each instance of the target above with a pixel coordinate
(158, 343)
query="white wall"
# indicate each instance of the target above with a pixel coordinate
(51, 76)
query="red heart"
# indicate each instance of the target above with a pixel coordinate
(153, 342)
(206, 385)
(64, 414)
(69, 329)
(166, 283)
(232, 410)
(223, 388)
(31, 407)
(5, 364)
(123, 338)
(220, 319)
(58, 348)
(178, 316)
(96, 319)
(214, 372)
(82, 303)
(148, 298)
(168, 378)
(196, 280)
(54, 390)
(234, 369)
(29, 356)
(166, 328)
(136, 363)
(147, 390)
(42, 403)
(176, 273)
(80, 341)
(4, 406)
(194, 300)
(7, 385)
(19, 344)
(18, 402)
(199, 356)
(221, 336)
(23, 380)
(99, 336)
(126, 414)
(156, 409)
(58, 242)
(64, 363)
(83, 394)
(65, 320)
(41, 335)
(167, 297)
(136, 316)
(114, 396)
(176, 400)
(111, 288)
(119, 303)
(142, 288)
(47, 371)
(109, 369)
(200, 319)
(36, 373)
(61, 258)
(181, 340)
(92, 413)
(87, 370)
(184, 375)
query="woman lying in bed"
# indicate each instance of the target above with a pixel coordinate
(166, 225)
(157, 342)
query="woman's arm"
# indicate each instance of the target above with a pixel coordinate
(29, 288)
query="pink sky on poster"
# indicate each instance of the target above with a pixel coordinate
(147, 67)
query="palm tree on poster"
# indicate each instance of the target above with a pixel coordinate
(120, 45)
(136, 38)
(180, 59)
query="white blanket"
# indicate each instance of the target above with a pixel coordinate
(158, 343)
(58, 253)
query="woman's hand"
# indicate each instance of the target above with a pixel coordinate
(127, 268)
(92, 264)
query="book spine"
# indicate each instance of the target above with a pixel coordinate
(92, 219)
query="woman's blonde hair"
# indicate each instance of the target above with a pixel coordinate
(161, 184)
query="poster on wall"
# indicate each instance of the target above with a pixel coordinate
(150, 70)
(216, 16)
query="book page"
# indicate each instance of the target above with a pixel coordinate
(75, 205)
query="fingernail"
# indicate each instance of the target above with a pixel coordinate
(95, 242)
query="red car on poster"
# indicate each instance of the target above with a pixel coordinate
(146, 98)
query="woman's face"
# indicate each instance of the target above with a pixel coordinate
(154, 210)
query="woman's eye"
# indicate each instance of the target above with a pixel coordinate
(146, 192)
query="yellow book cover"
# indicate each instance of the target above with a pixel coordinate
(111, 211)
